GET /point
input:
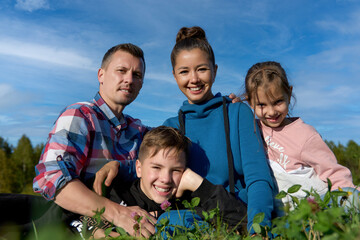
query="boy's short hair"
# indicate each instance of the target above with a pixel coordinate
(163, 138)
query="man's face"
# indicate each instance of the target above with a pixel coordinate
(161, 174)
(121, 80)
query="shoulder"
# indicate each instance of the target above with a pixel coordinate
(135, 123)
(171, 122)
(78, 108)
(241, 109)
(299, 125)
(76, 115)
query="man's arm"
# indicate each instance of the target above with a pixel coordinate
(72, 195)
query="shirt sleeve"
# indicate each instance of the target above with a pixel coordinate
(232, 210)
(65, 153)
(257, 174)
(318, 155)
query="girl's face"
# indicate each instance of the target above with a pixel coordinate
(271, 108)
(195, 75)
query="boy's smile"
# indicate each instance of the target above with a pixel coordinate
(161, 174)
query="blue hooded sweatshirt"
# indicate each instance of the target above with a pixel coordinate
(204, 125)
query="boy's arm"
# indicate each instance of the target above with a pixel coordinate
(190, 181)
(232, 210)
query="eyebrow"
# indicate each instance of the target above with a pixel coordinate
(197, 66)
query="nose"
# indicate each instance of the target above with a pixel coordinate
(194, 77)
(129, 77)
(271, 111)
(165, 176)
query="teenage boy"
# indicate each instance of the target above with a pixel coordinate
(163, 176)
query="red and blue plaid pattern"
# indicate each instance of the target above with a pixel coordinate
(84, 138)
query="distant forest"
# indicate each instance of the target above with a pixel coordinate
(17, 163)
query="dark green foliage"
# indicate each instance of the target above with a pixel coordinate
(348, 156)
(5, 146)
(18, 165)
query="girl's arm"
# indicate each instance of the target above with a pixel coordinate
(319, 156)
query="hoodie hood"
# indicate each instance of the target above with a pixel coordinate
(203, 109)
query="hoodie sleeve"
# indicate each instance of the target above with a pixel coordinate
(232, 210)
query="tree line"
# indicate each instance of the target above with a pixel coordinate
(17, 169)
(18, 163)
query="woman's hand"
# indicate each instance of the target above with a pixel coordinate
(108, 172)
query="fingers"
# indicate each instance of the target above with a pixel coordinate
(97, 185)
(143, 229)
(232, 96)
(110, 177)
(108, 172)
(141, 212)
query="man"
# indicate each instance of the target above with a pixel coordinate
(88, 135)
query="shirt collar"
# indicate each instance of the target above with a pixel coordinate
(117, 123)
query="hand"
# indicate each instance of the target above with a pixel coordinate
(100, 234)
(234, 98)
(189, 181)
(108, 172)
(124, 217)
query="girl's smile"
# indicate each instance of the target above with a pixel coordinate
(271, 106)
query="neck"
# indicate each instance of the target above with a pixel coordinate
(117, 109)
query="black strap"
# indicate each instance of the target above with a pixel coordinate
(181, 122)
(228, 148)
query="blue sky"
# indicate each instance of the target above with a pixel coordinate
(50, 51)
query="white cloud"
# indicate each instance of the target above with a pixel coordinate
(6, 120)
(350, 26)
(163, 77)
(10, 96)
(49, 54)
(31, 5)
(342, 56)
(313, 96)
(166, 109)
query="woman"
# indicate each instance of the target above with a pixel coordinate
(201, 118)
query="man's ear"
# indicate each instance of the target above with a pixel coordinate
(138, 168)
(101, 75)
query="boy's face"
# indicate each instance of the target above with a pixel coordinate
(161, 174)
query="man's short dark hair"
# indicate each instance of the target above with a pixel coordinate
(126, 47)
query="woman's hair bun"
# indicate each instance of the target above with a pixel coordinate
(193, 32)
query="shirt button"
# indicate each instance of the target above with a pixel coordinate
(129, 157)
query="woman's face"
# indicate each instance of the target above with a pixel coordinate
(195, 75)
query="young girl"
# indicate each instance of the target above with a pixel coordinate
(296, 151)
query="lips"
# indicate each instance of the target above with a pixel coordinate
(126, 91)
(196, 90)
(162, 190)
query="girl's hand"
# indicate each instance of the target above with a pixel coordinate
(108, 172)
(234, 98)
(189, 181)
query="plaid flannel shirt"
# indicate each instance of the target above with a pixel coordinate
(84, 138)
